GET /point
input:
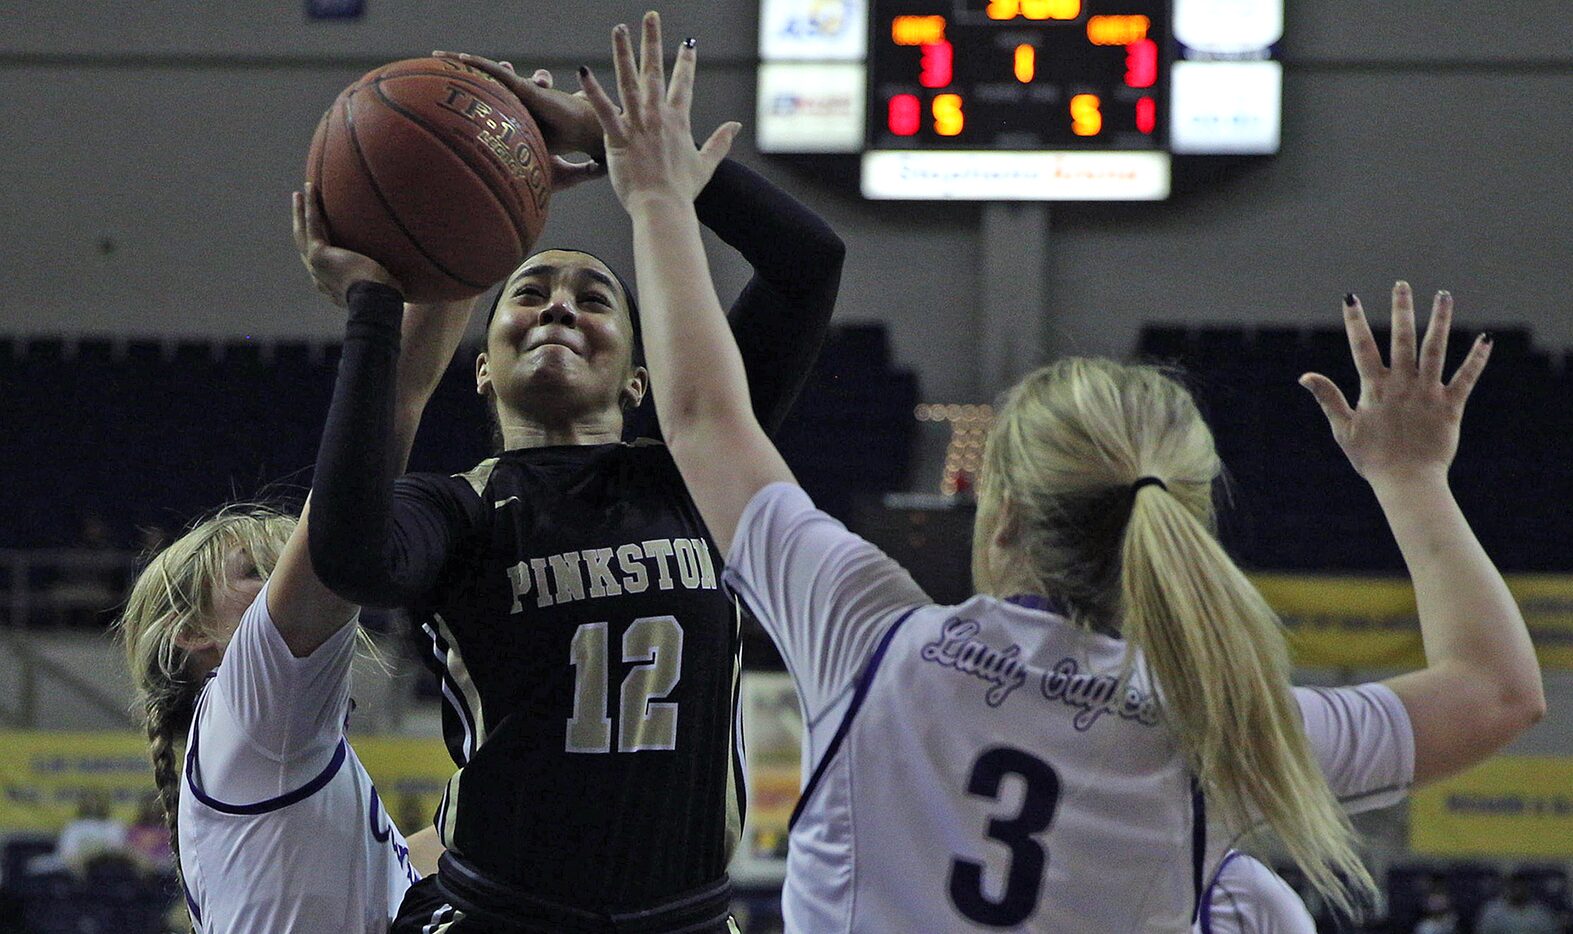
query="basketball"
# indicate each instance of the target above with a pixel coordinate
(436, 171)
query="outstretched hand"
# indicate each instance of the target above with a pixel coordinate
(335, 269)
(650, 148)
(567, 121)
(1405, 424)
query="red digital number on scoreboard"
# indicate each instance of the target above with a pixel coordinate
(906, 115)
(1141, 63)
(938, 65)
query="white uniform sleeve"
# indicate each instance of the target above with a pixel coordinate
(269, 721)
(1248, 898)
(824, 594)
(1363, 740)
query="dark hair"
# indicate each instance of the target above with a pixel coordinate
(493, 421)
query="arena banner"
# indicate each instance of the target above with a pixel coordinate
(44, 775)
(772, 741)
(1370, 622)
(1511, 806)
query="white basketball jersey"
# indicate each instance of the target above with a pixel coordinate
(981, 767)
(280, 827)
(1246, 897)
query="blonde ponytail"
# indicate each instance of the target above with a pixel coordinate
(1218, 652)
(1063, 458)
(173, 596)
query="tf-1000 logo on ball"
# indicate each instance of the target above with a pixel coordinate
(496, 131)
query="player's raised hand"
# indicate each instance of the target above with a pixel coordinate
(1405, 425)
(650, 148)
(333, 268)
(567, 121)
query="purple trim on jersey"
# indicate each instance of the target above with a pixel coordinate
(1033, 601)
(864, 681)
(1207, 896)
(191, 903)
(1198, 845)
(272, 804)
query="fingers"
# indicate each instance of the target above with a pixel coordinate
(297, 205)
(502, 71)
(612, 122)
(1331, 399)
(1469, 371)
(719, 144)
(316, 224)
(1433, 350)
(1403, 345)
(681, 94)
(652, 67)
(541, 79)
(567, 174)
(627, 74)
(1362, 345)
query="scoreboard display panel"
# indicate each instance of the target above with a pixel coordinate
(1016, 100)
(1018, 74)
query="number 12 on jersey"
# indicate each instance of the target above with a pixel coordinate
(655, 644)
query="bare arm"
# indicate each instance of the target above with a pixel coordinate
(697, 373)
(425, 850)
(305, 611)
(1481, 686)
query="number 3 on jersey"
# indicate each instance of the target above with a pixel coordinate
(655, 643)
(1024, 875)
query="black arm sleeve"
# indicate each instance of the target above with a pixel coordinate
(372, 541)
(780, 318)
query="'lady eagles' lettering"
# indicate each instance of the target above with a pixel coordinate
(1096, 695)
(956, 648)
(562, 578)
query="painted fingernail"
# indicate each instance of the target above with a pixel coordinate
(1350, 300)
(1486, 338)
(584, 71)
(690, 42)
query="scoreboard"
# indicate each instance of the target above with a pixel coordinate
(1017, 74)
(1019, 99)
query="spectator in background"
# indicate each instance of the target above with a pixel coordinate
(90, 587)
(1516, 911)
(148, 838)
(95, 835)
(1437, 914)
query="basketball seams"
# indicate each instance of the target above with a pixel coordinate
(483, 172)
(387, 207)
(492, 89)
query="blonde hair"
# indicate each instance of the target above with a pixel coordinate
(1061, 459)
(174, 596)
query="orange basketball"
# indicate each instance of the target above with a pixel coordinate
(436, 171)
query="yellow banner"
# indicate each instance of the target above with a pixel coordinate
(1370, 622)
(1508, 806)
(43, 776)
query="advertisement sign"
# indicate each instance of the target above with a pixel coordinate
(772, 740)
(44, 776)
(810, 108)
(1016, 176)
(1371, 622)
(1226, 107)
(813, 30)
(1510, 806)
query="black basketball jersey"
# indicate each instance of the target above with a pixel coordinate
(589, 662)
